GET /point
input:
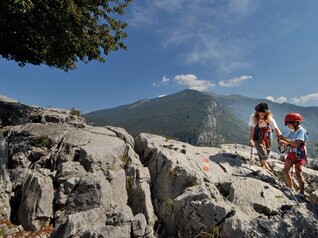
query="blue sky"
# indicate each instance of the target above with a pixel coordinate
(257, 48)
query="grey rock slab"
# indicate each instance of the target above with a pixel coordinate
(36, 206)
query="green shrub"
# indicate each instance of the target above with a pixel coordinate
(195, 182)
(213, 233)
(129, 183)
(125, 159)
(43, 141)
(2, 231)
(75, 112)
(169, 202)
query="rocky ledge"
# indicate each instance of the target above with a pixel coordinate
(73, 180)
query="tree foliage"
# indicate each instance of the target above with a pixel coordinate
(59, 33)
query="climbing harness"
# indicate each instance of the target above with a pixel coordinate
(264, 134)
(298, 152)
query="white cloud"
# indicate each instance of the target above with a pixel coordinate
(168, 5)
(226, 56)
(163, 81)
(281, 99)
(310, 99)
(162, 95)
(141, 17)
(192, 82)
(198, 25)
(305, 99)
(233, 82)
(278, 100)
(209, 31)
(270, 98)
(243, 7)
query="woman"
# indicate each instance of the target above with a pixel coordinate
(261, 125)
(296, 152)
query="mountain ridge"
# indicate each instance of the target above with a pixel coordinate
(189, 109)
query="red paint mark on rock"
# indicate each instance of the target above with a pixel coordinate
(205, 164)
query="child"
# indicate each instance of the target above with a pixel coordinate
(296, 152)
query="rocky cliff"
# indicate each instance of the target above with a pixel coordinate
(64, 178)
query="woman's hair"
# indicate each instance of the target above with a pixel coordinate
(267, 117)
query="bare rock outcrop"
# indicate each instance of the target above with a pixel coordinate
(210, 192)
(88, 168)
(15, 113)
(85, 181)
(36, 205)
(5, 183)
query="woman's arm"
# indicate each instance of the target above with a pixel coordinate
(277, 132)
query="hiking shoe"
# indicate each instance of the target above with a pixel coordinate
(301, 196)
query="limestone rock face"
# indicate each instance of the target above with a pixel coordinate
(208, 135)
(14, 113)
(4, 174)
(88, 168)
(97, 223)
(202, 191)
(86, 181)
(36, 210)
(90, 181)
(5, 183)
